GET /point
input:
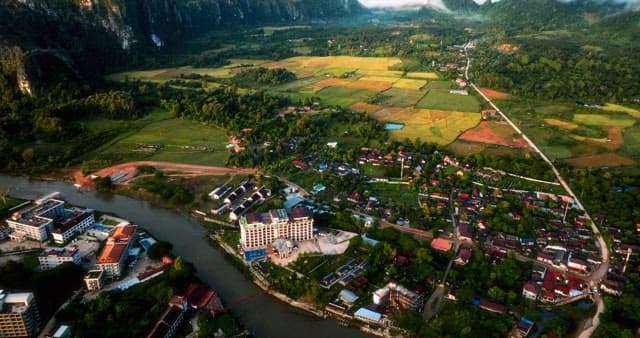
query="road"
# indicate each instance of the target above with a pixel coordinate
(601, 272)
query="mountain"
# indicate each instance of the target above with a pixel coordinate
(88, 36)
(539, 15)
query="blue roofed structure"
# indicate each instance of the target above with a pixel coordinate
(293, 201)
(367, 315)
(250, 256)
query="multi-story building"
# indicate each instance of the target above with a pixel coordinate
(94, 279)
(113, 258)
(36, 221)
(19, 315)
(259, 230)
(399, 297)
(48, 216)
(171, 318)
(75, 221)
(53, 257)
(4, 232)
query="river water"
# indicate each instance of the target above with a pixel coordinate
(261, 314)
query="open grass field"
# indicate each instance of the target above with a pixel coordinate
(603, 120)
(353, 84)
(441, 99)
(184, 141)
(269, 30)
(601, 160)
(562, 124)
(438, 126)
(465, 148)
(494, 132)
(409, 84)
(341, 96)
(348, 62)
(631, 137)
(622, 109)
(399, 97)
(556, 152)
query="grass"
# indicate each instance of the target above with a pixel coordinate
(344, 97)
(175, 134)
(402, 97)
(7, 203)
(603, 120)
(439, 99)
(622, 109)
(632, 140)
(562, 124)
(556, 152)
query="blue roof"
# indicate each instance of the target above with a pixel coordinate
(368, 314)
(369, 241)
(293, 201)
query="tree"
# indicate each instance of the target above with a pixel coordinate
(159, 250)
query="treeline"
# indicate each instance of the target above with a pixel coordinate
(249, 77)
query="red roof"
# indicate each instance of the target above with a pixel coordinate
(549, 281)
(112, 253)
(199, 295)
(441, 244)
(563, 290)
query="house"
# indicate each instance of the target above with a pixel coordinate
(548, 296)
(489, 114)
(319, 187)
(545, 257)
(490, 306)
(563, 290)
(463, 256)
(298, 164)
(465, 231)
(441, 244)
(578, 264)
(531, 291)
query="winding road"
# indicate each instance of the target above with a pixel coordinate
(601, 272)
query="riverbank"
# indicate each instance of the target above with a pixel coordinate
(262, 316)
(259, 280)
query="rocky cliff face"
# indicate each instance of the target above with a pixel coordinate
(90, 35)
(157, 22)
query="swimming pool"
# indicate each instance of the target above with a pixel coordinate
(393, 126)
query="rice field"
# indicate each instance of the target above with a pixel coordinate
(603, 120)
(409, 84)
(443, 100)
(622, 109)
(399, 97)
(562, 124)
(422, 75)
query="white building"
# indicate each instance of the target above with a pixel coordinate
(53, 257)
(113, 258)
(75, 222)
(94, 280)
(36, 221)
(259, 230)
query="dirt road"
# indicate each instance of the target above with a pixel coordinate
(130, 170)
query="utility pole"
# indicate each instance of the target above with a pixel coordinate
(402, 168)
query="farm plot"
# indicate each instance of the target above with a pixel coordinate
(422, 75)
(622, 109)
(377, 86)
(494, 132)
(341, 96)
(601, 160)
(443, 100)
(603, 120)
(409, 84)
(494, 94)
(438, 126)
(363, 107)
(399, 97)
(562, 124)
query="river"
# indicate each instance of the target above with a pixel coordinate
(261, 314)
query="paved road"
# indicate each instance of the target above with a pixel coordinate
(601, 272)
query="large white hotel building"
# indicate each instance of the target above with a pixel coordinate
(259, 230)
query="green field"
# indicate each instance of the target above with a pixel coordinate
(398, 97)
(440, 99)
(342, 96)
(632, 141)
(175, 135)
(604, 120)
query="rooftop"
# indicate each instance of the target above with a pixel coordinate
(60, 252)
(275, 216)
(112, 252)
(72, 220)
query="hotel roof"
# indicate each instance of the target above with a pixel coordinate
(117, 244)
(72, 220)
